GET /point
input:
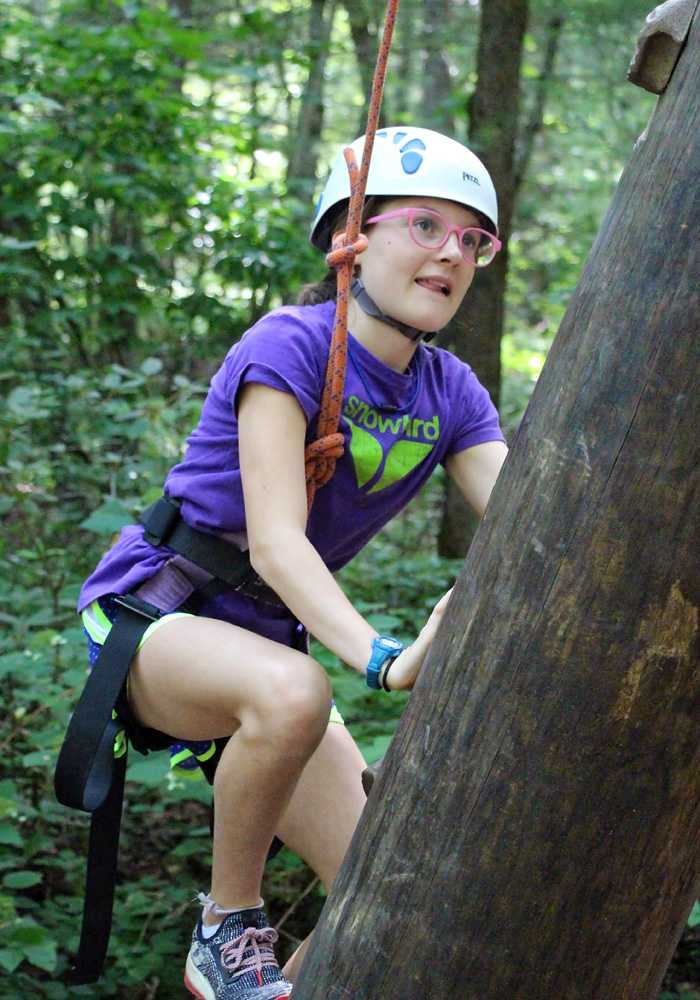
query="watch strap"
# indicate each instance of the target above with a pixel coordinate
(384, 648)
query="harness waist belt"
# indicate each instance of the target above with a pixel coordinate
(165, 526)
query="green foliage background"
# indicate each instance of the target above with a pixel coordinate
(145, 221)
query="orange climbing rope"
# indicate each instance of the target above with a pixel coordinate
(321, 455)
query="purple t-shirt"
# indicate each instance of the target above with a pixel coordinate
(397, 428)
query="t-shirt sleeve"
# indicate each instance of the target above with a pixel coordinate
(280, 351)
(475, 417)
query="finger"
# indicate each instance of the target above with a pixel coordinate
(442, 603)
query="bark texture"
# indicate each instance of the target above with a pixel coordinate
(535, 829)
(475, 333)
(304, 153)
(437, 109)
(493, 130)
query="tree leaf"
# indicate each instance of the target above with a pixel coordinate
(10, 835)
(10, 958)
(151, 366)
(21, 880)
(109, 518)
(42, 955)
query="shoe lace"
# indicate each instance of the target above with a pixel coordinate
(257, 942)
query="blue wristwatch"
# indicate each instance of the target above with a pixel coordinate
(383, 648)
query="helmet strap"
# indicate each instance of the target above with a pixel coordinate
(361, 296)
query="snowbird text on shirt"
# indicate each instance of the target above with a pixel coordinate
(363, 414)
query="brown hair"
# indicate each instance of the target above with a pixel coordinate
(326, 289)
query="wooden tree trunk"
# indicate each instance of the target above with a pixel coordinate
(307, 134)
(475, 332)
(437, 110)
(535, 830)
(360, 17)
(493, 129)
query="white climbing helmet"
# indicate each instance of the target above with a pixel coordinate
(411, 161)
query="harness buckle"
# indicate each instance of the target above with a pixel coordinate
(140, 607)
(160, 520)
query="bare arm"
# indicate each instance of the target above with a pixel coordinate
(475, 471)
(272, 429)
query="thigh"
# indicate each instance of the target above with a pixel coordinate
(199, 678)
(326, 806)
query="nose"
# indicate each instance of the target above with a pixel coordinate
(452, 249)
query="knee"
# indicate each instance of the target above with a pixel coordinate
(305, 704)
(295, 708)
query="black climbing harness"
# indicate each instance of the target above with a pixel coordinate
(88, 775)
(229, 567)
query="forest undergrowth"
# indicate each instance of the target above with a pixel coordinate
(165, 846)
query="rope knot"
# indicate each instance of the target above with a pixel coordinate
(320, 458)
(344, 251)
(321, 455)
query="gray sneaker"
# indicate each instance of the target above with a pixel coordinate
(236, 963)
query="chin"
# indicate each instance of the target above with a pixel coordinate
(433, 314)
(436, 319)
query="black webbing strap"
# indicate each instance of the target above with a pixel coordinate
(231, 567)
(89, 777)
(100, 881)
(86, 762)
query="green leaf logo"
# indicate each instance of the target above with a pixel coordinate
(366, 453)
(403, 457)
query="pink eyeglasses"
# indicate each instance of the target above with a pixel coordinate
(431, 231)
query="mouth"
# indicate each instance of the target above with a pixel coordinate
(440, 286)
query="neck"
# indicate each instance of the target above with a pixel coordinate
(380, 339)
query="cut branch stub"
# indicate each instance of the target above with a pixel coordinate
(369, 776)
(659, 44)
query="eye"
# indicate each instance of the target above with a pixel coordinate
(424, 223)
(470, 239)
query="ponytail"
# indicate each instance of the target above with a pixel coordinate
(324, 290)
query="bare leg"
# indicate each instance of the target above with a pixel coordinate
(323, 813)
(200, 678)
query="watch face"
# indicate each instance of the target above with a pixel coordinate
(386, 642)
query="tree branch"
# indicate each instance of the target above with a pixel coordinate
(533, 127)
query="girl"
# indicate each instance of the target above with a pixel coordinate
(239, 667)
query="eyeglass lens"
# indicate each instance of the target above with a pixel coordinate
(430, 230)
